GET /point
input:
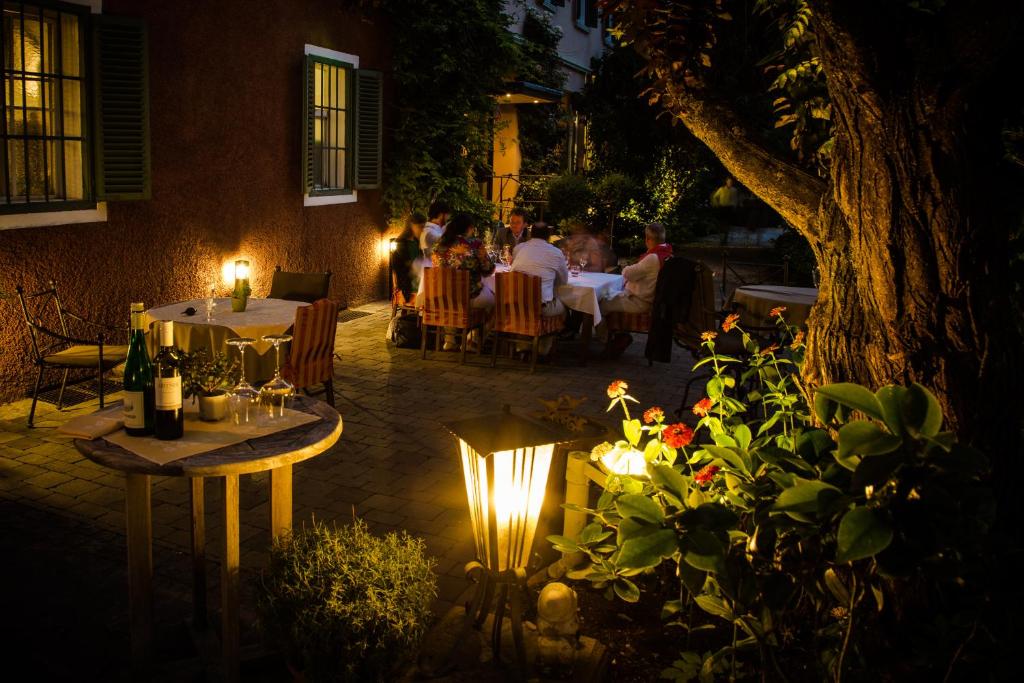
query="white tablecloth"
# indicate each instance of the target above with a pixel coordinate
(755, 302)
(260, 317)
(582, 293)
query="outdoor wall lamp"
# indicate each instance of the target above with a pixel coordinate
(240, 294)
(505, 462)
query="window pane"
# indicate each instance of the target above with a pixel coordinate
(72, 108)
(339, 91)
(318, 83)
(71, 51)
(339, 168)
(338, 124)
(74, 183)
(36, 176)
(54, 162)
(33, 46)
(16, 164)
(15, 119)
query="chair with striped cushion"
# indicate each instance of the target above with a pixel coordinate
(311, 357)
(518, 312)
(444, 303)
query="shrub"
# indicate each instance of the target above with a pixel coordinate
(570, 197)
(344, 604)
(843, 541)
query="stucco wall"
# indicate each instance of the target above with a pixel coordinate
(577, 46)
(226, 104)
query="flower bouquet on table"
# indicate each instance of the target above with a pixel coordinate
(207, 378)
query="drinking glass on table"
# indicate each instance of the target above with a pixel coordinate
(244, 397)
(211, 304)
(583, 262)
(574, 269)
(506, 256)
(276, 394)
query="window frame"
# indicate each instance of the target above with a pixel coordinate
(10, 210)
(349, 62)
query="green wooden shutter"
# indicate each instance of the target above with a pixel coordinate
(121, 106)
(308, 107)
(369, 110)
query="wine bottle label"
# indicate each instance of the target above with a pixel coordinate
(134, 410)
(168, 393)
(137, 320)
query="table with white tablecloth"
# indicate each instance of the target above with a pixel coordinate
(754, 303)
(261, 317)
(582, 293)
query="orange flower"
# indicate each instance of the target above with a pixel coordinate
(705, 474)
(617, 388)
(730, 321)
(702, 407)
(708, 336)
(777, 311)
(677, 435)
(654, 414)
(770, 350)
(797, 340)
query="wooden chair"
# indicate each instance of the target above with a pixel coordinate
(518, 312)
(308, 287)
(445, 302)
(311, 357)
(59, 349)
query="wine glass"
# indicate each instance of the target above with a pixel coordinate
(506, 256)
(583, 262)
(211, 303)
(244, 397)
(275, 394)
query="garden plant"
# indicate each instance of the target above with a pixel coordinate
(811, 537)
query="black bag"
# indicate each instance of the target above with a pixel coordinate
(405, 331)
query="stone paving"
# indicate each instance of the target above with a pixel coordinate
(62, 522)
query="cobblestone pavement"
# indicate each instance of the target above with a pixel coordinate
(62, 523)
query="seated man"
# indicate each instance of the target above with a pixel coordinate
(515, 234)
(407, 257)
(640, 279)
(537, 256)
(438, 215)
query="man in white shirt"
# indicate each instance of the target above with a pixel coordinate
(641, 278)
(539, 257)
(437, 216)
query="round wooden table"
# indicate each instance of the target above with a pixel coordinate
(275, 452)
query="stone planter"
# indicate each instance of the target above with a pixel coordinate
(213, 408)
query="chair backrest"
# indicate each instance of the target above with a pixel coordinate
(308, 287)
(311, 358)
(445, 298)
(517, 308)
(34, 309)
(744, 273)
(701, 316)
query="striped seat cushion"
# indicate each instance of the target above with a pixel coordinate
(311, 358)
(445, 300)
(619, 321)
(518, 308)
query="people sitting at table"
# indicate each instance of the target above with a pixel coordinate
(517, 232)
(640, 280)
(581, 247)
(407, 257)
(437, 217)
(458, 248)
(537, 256)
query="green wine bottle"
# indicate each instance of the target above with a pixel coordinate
(138, 380)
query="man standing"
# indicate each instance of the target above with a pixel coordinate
(515, 234)
(437, 217)
(537, 256)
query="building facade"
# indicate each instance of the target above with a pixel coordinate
(252, 135)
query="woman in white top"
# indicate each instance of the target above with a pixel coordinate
(641, 278)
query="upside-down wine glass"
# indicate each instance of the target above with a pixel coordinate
(583, 262)
(244, 397)
(211, 303)
(277, 393)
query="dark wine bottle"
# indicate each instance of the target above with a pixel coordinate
(168, 415)
(138, 380)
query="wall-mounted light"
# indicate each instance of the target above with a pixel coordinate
(240, 294)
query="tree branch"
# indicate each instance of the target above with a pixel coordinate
(788, 189)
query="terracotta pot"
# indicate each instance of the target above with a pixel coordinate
(213, 408)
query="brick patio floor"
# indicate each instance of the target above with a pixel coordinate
(62, 542)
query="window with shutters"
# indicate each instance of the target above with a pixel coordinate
(44, 151)
(585, 14)
(341, 145)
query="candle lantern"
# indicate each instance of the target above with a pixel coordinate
(505, 462)
(240, 294)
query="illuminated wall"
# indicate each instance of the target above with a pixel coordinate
(226, 106)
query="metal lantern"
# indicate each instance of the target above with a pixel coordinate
(240, 294)
(505, 462)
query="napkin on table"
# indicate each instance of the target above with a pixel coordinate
(91, 426)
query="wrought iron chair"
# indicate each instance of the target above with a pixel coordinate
(311, 356)
(518, 312)
(58, 349)
(308, 287)
(756, 273)
(445, 303)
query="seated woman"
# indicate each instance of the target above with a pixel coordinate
(458, 248)
(407, 259)
(640, 279)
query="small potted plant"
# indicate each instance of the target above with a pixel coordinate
(206, 379)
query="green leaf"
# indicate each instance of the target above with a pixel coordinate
(668, 478)
(802, 498)
(853, 396)
(865, 438)
(743, 436)
(730, 456)
(632, 430)
(715, 606)
(652, 450)
(563, 543)
(692, 577)
(715, 388)
(647, 551)
(824, 407)
(837, 588)
(862, 533)
(890, 399)
(922, 414)
(671, 608)
(639, 507)
(626, 590)
(630, 529)
(703, 550)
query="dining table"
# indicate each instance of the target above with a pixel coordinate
(193, 331)
(754, 303)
